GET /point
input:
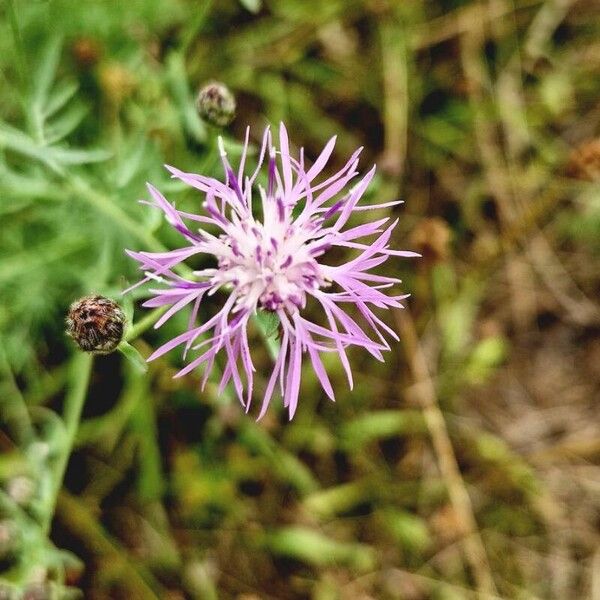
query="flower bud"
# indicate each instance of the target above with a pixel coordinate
(216, 104)
(96, 324)
(86, 51)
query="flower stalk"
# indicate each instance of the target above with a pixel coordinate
(79, 377)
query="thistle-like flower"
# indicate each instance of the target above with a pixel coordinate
(270, 244)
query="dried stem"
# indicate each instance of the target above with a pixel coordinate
(473, 547)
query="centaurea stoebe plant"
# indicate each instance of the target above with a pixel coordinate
(274, 262)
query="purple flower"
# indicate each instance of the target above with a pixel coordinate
(269, 244)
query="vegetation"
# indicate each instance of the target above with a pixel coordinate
(467, 465)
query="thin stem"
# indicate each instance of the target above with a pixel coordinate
(80, 371)
(122, 218)
(14, 408)
(144, 324)
(473, 547)
(394, 59)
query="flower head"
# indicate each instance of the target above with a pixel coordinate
(216, 104)
(96, 324)
(270, 245)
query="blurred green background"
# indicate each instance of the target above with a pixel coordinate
(467, 465)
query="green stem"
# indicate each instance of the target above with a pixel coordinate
(118, 215)
(80, 371)
(14, 407)
(144, 324)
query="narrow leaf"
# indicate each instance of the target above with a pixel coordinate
(133, 356)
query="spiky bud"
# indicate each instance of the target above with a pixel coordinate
(216, 104)
(96, 324)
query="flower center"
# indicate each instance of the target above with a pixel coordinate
(273, 271)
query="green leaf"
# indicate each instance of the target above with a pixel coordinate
(316, 549)
(268, 323)
(68, 156)
(285, 464)
(19, 142)
(178, 83)
(380, 425)
(326, 503)
(127, 302)
(46, 71)
(59, 97)
(409, 530)
(68, 121)
(133, 356)
(485, 358)
(52, 156)
(130, 162)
